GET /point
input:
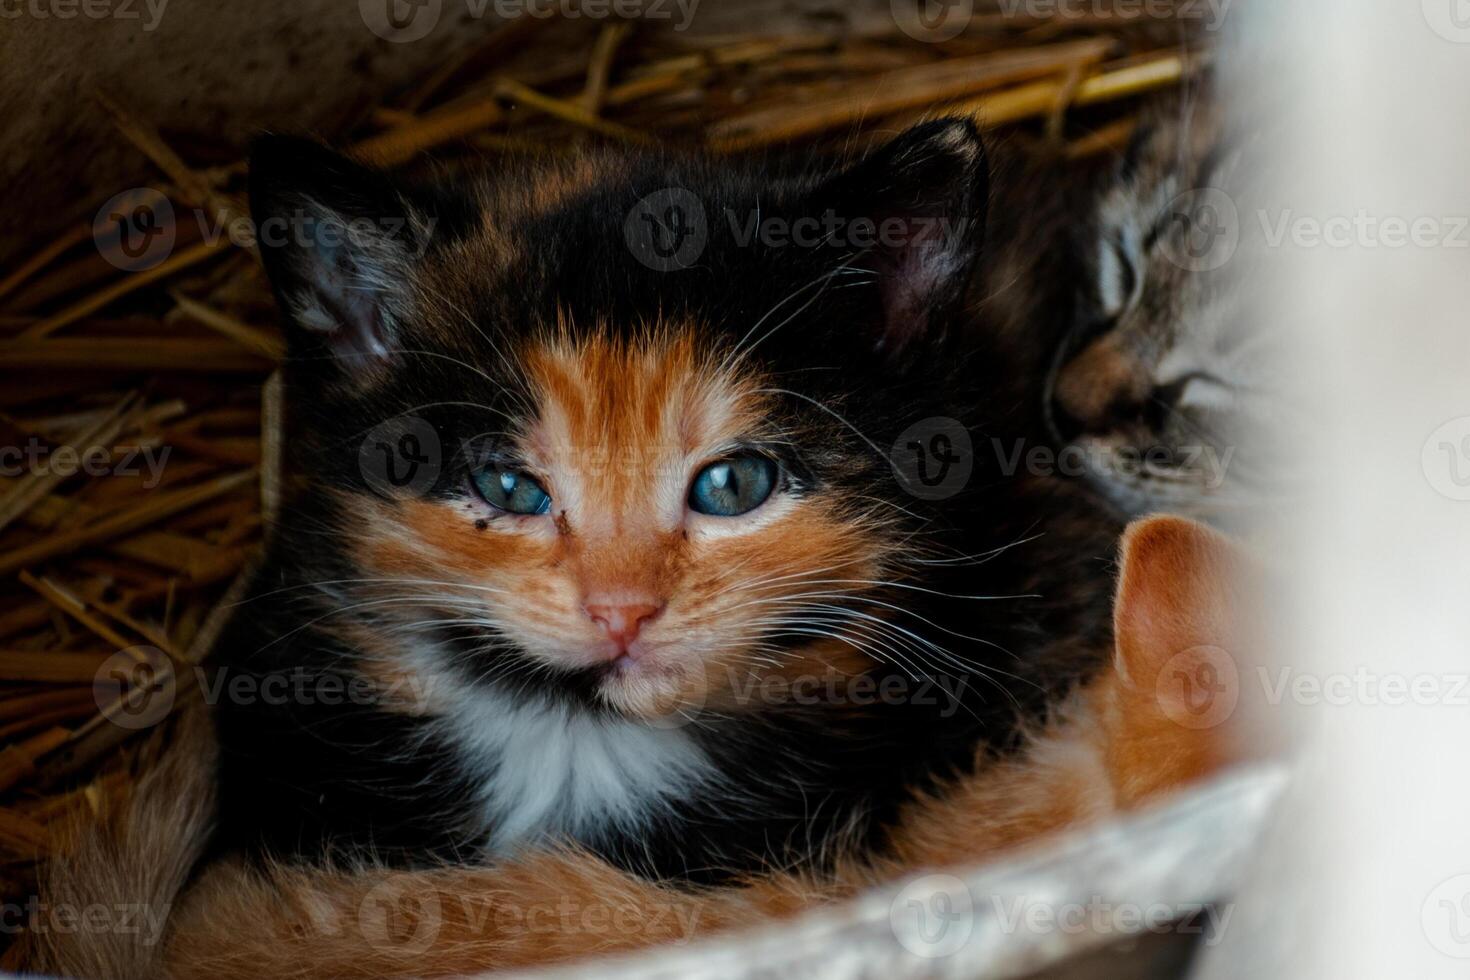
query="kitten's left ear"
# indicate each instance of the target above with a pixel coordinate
(340, 242)
(925, 194)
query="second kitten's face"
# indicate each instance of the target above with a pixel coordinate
(1167, 374)
(651, 485)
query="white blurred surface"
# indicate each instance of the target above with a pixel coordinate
(1367, 873)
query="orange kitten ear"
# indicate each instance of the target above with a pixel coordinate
(1176, 682)
(1177, 605)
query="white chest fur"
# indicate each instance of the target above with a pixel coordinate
(551, 769)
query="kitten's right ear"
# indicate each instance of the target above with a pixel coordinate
(339, 241)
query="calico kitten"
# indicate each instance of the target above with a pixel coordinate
(1163, 381)
(1130, 735)
(660, 587)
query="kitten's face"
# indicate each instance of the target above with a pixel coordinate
(649, 494)
(1161, 383)
(668, 530)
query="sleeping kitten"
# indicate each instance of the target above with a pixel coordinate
(623, 523)
(1163, 383)
(1131, 735)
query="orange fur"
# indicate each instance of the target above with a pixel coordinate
(1115, 745)
(547, 908)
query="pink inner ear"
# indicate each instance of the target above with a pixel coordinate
(915, 276)
(925, 195)
(348, 309)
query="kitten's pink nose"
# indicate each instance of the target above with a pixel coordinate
(621, 621)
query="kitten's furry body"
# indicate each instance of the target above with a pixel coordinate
(529, 317)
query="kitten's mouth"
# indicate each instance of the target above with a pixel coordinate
(646, 686)
(634, 663)
(608, 657)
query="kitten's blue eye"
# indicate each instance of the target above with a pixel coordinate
(511, 490)
(732, 486)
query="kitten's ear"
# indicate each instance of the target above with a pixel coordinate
(1171, 699)
(1178, 597)
(339, 242)
(925, 194)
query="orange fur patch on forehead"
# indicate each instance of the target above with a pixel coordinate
(621, 422)
(664, 382)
